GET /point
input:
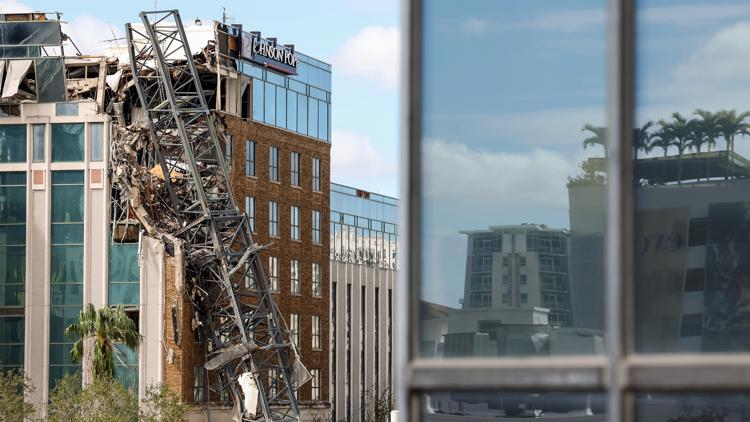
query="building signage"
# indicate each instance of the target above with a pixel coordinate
(268, 53)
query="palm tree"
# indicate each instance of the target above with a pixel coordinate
(710, 127)
(680, 139)
(106, 327)
(663, 137)
(642, 139)
(732, 124)
(599, 136)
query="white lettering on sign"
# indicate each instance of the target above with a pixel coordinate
(275, 52)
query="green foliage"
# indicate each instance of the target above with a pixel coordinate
(162, 404)
(378, 406)
(103, 400)
(590, 176)
(106, 326)
(14, 386)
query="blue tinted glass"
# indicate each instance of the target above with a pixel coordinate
(297, 86)
(691, 182)
(504, 164)
(270, 104)
(280, 107)
(302, 114)
(66, 264)
(274, 78)
(258, 101)
(312, 120)
(67, 142)
(12, 143)
(323, 121)
(291, 118)
(97, 141)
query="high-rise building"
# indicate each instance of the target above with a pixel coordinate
(523, 266)
(68, 239)
(363, 259)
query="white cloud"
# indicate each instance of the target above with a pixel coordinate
(372, 54)
(475, 25)
(89, 34)
(456, 171)
(13, 6)
(567, 20)
(354, 161)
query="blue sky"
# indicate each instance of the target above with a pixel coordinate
(509, 85)
(359, 37)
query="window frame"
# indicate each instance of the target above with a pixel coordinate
(294, 223)
(294, 157)
(273, 163)
(273, 219)
(620, 373)
(315, 184)
(250, 155)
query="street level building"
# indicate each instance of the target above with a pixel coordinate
(363, 262)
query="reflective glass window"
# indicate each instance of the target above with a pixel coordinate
(291, 110)
(312, 120)
(323, 121)
(67, 142)
(12, 240)
(302, 114)
(316, 174)
(505, 405)
(294, 158)
(249, 158)
(12, 143)
(508, 156)
(273, 273)
(273, 163)
(270, 104)
(38, 143)
(97, 141)
(273, 219)
(280, 107)
(258, 100)
(250, 211)
(295, 222)
(66, 265)
(124, 274)
(294, 277)
(317, 288)
(691, 182)
(316, 226)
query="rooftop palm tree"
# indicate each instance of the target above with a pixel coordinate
(642, 139)
(599, 136)
(732, 124)
(106, 327)
(710, 127)
(680, 138)
(664, 137)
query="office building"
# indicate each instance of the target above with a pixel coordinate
(363, 262)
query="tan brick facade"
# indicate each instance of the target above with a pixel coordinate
(264, 190)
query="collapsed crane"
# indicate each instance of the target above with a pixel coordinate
(180, 163)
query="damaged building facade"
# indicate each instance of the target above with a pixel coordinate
(80, 223)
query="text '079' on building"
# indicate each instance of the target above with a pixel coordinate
(80, 223)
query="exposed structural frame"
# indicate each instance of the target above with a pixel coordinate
(248, 344)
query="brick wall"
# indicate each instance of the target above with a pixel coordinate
(285, 249)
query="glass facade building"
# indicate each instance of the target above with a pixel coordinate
(12, 268)
(299, 103)
(363, 227)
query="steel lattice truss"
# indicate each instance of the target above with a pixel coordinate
(223, 271)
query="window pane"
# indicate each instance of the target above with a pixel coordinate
(270, 102)
(97, 141)
(258, 101)
(312, 120)
(67, 142)
(302, 114)
(12, 143)
(38, 145)
(323, 121)
(692, 234)
(291, 109)
(691, 407)
(498, 405)
(280, 107)
(509, 192)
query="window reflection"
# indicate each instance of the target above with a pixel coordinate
(692, 179)
(691, 407)
(513, 161)
(480, 406)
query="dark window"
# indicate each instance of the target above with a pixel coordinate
(694, 279)
(692, 325)
(273, 163)
(698, 233)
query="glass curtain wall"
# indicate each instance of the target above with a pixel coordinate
(66, 268)
(578, 210)
(12, 269)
